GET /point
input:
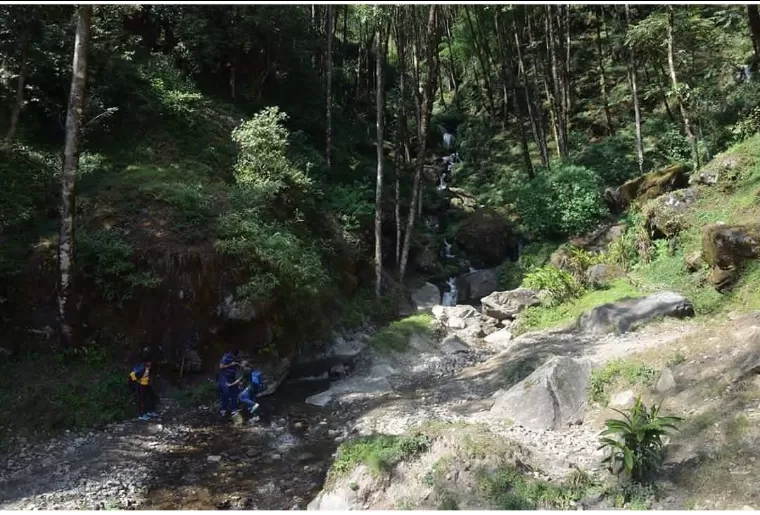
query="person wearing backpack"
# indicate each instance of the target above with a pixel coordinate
(254, 385)
(139, 380)
(228, 388)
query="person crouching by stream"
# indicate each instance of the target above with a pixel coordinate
(253, 382)
(228, 388)
(139, 380)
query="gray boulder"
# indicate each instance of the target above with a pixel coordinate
(427, 297)
(552, 397)
(666, 382)
(453, 345)
(505, 305)
(603, 274)
(621, 316)
(478, 284)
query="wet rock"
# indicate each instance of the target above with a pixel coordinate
(426, 297)
(508, 304)
(621, 316)
(552, 397)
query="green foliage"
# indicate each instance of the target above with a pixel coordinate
(564, 201)
(560, 285)
(203, 394)
(635, 441)
(379, 452)
(611, 159)
(630, 373)
(108, 260)
(395, 337)
(508, 489)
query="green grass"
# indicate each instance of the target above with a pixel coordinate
(395, 337)
(618, 373)
(541, 317)
(378, 452)
(508, 489)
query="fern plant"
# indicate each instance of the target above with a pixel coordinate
(560, 285)
(635, 442)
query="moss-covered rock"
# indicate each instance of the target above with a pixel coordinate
(665, 214)
(727, 246)
(646, 187)
(694, 261)
(485, 237)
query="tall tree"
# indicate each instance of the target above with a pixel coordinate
(754, 27)
(380, 108)
(602, 75)
(632, 80)
(69, 174)
(328, 86)
(426, 104)
(18, 105)
(677, 91)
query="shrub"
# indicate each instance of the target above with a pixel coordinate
(636, 443)
(508, 489)
(564, 201)
(634, 374)
(560, 285)
(378, 452)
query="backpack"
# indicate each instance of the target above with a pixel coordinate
(257, 382)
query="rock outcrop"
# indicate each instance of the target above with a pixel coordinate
(622, 316)
(646, 187)
(505, 305)
(603, 274)
(476, 285)
(552, 397)
(485, 237)
(727, 246)
(426, 297)
(664, 215)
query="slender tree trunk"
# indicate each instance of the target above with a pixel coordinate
(663, 74)
(19, 102)
(635, 95)
(550, 101)
(482, 61)
(329, 80)
(674, 82)
(566, 68)
(69, 174)
(426, 105)
(754, 27)
(536, 121)
(708, 155)
(602, 73)
(452, 69)
(558, 89)
(380, 108)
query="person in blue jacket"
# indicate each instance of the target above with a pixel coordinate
(139, 380)
(254, 385)
(228, 389)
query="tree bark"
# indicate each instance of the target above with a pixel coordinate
(674, 82)
(635, 95)
(69, 174)
(558, 88)
(482, 61)
(19, 102)
(754, 27)
(329, 80)
(428, 93)
(452, 70)
(380, 108)
(602, 73)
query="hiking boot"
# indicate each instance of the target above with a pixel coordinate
(143, 417)
(253, 408)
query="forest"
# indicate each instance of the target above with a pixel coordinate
(183, 176)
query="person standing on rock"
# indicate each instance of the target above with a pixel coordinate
(140, 381)
(228, 389)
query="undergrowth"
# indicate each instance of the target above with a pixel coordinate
(378, 452)
(619, 373)
(395, 337)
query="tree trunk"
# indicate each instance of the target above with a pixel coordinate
(635, 95)
(329, 80)
(754, 27)
(380, 108)
(452, 70)
(69, 174)
(602, 73)
(19, 102)
(426, 105)
(481, 60)
(674, 82)
(536, 121)
(558, 88)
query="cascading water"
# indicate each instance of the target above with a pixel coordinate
(448, 140)
(447, 249)
(450, 297)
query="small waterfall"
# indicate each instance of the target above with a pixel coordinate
(470, 267)
(450, 297)
(447, 249)
(448, 140)
(442, 183)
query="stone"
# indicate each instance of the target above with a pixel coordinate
(443, 313)
(623, 399)
(727, 246)
(599, 239)
(623, 315)
(453, 345)
(456, 323)
(603, 274)
(646, 187)
(722, 167)
(500, 337)
(694, 261)
(552, 397)
(476, 285)
(666, 382)
(426, 297)
(503, 305)
(664, 215)
(485, 237)
(214, 458)
(721, 279)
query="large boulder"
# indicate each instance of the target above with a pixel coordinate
(603, 274)
(599, 239)
(476, 285)
(664, 215)
(485, 238)
(552, 397)
(727, 246)
(426, 297)
(623, 315)
(505, 305)
(646, 187)
(721, 168)
(694, 261)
